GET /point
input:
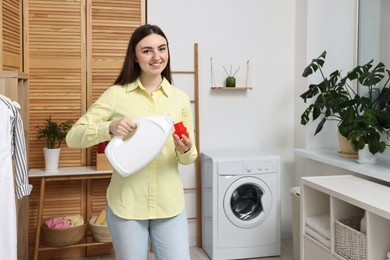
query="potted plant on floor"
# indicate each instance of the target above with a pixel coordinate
(363, 120)
(54, 133)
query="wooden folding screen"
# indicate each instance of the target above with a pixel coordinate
(11, 35)
(55, 59)
(73, 50)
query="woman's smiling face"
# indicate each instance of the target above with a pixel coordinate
(152, 54)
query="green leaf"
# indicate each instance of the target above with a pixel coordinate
(374, 76)
(314, 65)
(358, 71)
(311, 92)
(320, 126)
(383, 118)
(53, 132)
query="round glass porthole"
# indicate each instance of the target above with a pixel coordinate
(247, 202)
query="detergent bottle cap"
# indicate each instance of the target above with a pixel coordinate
(180, 129)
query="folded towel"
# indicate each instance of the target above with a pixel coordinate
(317, 236)
(75, 220)
(58, 222)
(320, 224)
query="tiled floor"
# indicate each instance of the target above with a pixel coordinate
(199, 254)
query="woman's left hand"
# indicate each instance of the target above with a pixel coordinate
(182, 144)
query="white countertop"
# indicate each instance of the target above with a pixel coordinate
(346, 187)
(67, 171)
(380, 170)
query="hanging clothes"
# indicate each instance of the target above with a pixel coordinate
(12, 146)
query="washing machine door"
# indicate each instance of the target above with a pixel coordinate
(247, 202)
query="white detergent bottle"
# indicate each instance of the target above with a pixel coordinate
(130, 154)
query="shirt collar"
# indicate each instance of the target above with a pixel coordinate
(165, 86)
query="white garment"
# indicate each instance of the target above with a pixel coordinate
(12, 144)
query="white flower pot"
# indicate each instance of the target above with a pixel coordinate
(365, 156)
(52, 157)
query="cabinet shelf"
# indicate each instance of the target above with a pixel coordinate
(82, 244)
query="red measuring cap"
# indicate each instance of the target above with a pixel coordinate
(180, 129)
(102, 147)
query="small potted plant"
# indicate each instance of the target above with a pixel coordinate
(230, 79)
(54, 134)
(363, 120)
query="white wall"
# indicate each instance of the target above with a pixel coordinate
(278, 38)
(232, 32)
(331, 26)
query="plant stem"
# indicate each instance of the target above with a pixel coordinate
(236, 72)
(225, 71)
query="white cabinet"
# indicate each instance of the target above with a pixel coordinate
(341, 197)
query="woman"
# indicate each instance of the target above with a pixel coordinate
(149, 203)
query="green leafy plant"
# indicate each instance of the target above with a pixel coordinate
(361, 119)
(53, 132)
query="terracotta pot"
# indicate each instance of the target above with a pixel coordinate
(346, 149)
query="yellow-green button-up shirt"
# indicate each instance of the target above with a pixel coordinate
(156, 190)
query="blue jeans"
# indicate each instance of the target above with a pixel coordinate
(130, 238)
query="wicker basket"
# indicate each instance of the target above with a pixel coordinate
(350, 243)
(100, 233)
(63, 236)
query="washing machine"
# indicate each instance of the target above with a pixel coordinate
(240, 204)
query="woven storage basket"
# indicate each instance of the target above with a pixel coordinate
(63, 236)
(350, 243)
(100, 233)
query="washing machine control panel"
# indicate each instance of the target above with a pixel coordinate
(248, 166)
(259, 166)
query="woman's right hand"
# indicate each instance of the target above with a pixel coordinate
(122, 127)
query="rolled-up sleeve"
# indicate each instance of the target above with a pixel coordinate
(93, 127)
(189, 156)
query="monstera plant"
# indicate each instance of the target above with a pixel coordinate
(361, 119)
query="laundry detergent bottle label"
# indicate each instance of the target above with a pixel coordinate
(130, 154)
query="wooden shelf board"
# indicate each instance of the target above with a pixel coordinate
(74, 246)
(231, 88)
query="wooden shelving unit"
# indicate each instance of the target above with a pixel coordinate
(344, 196)
(65, 174)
